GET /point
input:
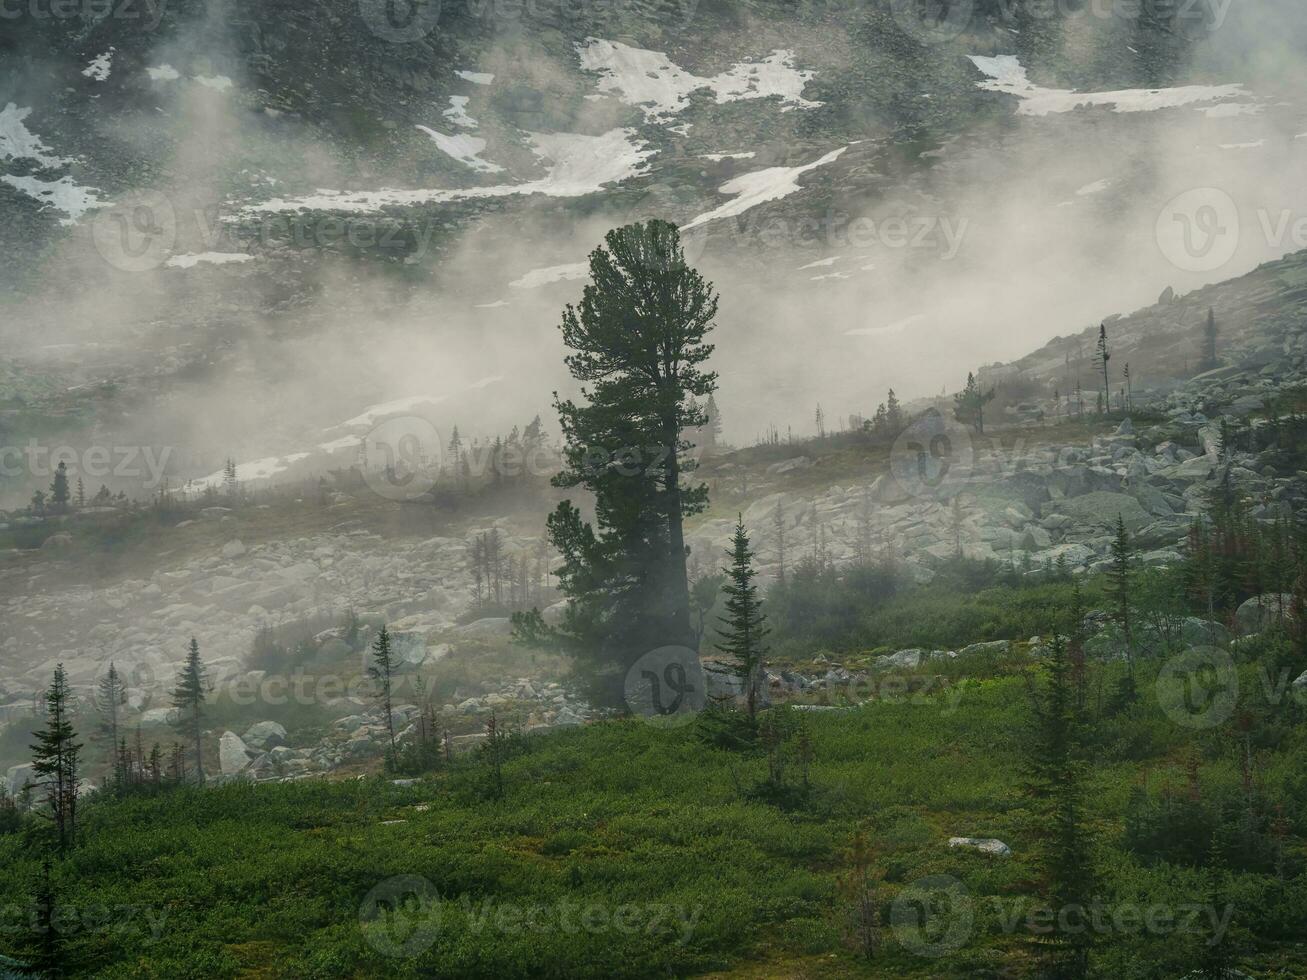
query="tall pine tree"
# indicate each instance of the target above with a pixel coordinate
(745, 625)
(188, 698)
(56, 760)
(637, 346)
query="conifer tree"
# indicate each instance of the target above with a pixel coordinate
(110, 696)
(59, 491)
(969, 404)
(1208, 360)
(56, 759)
(1056, 778)
(381, 671)
(81, 494)
(637, 344)
(1102, 355)
(1119, 584)
(188, 698)
(745, 623)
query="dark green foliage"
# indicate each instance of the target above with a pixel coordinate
(380, 671)
(56, 761)
(969, 404)
(744, 628)
(188, 698)
(637, 344)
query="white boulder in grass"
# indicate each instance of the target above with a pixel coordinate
(987, 845)
(233, 756)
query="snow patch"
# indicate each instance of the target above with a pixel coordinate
(163, 73)
(372, 413)
(1097, 187)
(219, 83)
(761, 186)
(259, 469)
(554, 273)
(719, 157)
(63, 195)
(98, 69)
(819, 264)
(1243, 146)
(578, 165)
(190, 260)
(652, 81)
(465, 149)
(19, 143)
(457, 112)
(476, 77)
(1006, 75)
(894, 327)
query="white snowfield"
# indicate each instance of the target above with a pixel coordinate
(457, 112)
(755, 188)
(464, 148)
(192, 259)
(476, 77)
(652, 81)
(163, 73)
(554, 273)
(577, 165)
(259, 469)
(19, 143)
(64, 195)
(1006, 75)
(219, 83)
(370, 415)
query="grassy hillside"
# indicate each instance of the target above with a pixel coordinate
(624, 849)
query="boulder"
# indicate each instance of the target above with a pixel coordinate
(908, 659)
(265, 735)
(1102, 508)
(1261, 612)
(986, 845)
(233, 756)
(995, 648)
(16, 777)
(233, 549)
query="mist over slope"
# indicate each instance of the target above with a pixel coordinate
(233, 225)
